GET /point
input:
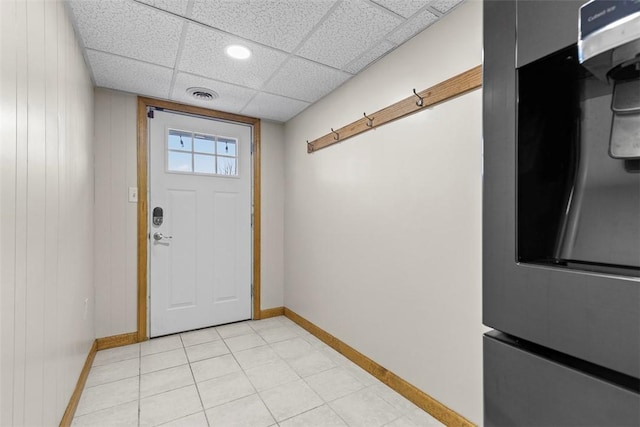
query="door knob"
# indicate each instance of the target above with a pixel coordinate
(160, 236)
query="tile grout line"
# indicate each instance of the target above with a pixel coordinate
(300, 377)
(280, 358)
(182, 347)
(325, 402)
(195, 384)
(372, 387)
(314, 346)
(188, 362)
(232, 354)
(103, 384)
(112, 381)
(402, 412)
(277, 423)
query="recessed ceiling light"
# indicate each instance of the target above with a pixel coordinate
(238, 52)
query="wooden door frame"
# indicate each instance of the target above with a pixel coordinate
(143, 209)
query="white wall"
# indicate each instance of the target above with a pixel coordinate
(46, 207)
(383, 231)
(116, 218)
(116, 257)
(272, 209)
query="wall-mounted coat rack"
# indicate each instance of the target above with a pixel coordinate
(443, 91)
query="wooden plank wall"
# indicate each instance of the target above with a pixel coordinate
(46, 207)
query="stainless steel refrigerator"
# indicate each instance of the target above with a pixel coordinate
(561, 213)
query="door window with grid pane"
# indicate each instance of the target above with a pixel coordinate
(195, 153)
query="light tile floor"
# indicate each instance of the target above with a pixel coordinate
(256, 373)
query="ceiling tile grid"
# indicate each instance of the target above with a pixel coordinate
(305, 80)
(376, 52)
(444, 6)
(281, 24)
(128, 29)
(179, 7)
(203, 54)
(274, 107)
(231, 98)
(353, 28)
(404, 8)
(413, 26)
(129, 75)
(301, 49)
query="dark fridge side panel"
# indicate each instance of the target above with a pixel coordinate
(594, 317)
(522, 388)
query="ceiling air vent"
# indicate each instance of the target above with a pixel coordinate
(202, 94)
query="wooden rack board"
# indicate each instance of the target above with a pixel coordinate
(443, 91)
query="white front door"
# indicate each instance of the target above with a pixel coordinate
(200, 222)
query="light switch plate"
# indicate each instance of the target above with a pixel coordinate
(133, 194)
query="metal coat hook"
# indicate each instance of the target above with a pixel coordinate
(420, 101)
(369, 120)
(337, 137)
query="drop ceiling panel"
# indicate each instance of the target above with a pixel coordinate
(178, 7)
(301, 49)
(351, 29)
(305, 80)
(274, 107)
(443, 6)
(405, 8)
(129, 75)
(128, 29)
(203, 54)
(368, 57)
(231, 98)
(281, 24)
(413, 26)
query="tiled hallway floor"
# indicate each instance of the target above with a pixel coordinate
(257, 373)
